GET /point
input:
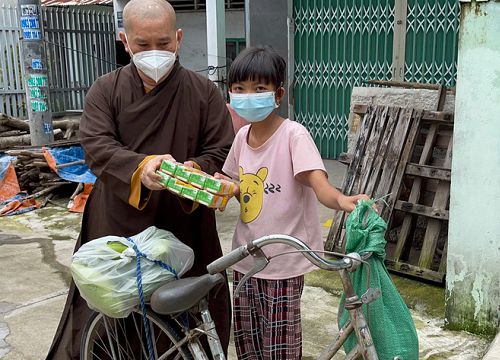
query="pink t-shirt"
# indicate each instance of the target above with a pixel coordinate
(272, 201)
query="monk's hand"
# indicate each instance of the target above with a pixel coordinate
(149, 178)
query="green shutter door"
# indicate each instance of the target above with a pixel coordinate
(339, 44)
(432, 41)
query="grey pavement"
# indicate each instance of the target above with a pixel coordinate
(35, 253)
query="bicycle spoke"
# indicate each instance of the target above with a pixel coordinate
(129, 349)
(139, 336)
(114, 329)
(124, 339)
(101, 345)
(106, 326)
(116, 338)
(152, 332)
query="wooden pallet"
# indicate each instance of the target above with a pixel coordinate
(428, 200)
(378, 162)
(390, 140)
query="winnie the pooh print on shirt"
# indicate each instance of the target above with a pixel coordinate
(251, 193)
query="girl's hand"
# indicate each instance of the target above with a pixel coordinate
(190, 163)
(236, 191)
(348, 203)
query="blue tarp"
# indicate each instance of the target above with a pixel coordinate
(4, 164)
(75, 173)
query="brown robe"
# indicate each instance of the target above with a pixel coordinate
(184, 116)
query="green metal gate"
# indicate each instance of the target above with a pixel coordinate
(432, 41)
(339, 44)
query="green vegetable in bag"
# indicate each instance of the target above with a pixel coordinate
(105, 269)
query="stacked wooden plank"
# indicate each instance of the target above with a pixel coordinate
(404, 155)
(33, 172)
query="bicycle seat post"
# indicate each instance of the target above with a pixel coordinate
(211, 332)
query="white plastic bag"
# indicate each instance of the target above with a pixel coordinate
(104, 269)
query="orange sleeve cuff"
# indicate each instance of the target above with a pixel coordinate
(139, 198)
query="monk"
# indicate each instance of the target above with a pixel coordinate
(135, 116)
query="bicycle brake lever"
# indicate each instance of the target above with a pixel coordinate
(261, 262)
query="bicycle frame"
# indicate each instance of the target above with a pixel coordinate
(357, 323)
(167, 302)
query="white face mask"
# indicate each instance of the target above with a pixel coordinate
(155, 64)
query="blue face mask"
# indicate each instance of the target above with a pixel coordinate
(253, 107)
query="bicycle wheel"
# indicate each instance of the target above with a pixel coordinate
(109, 338)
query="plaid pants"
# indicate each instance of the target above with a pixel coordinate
(267, 323)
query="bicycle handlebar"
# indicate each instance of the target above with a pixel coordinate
(228, 260)
(240, 253)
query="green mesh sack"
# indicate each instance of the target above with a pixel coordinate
(390, 322)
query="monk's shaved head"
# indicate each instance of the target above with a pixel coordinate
(139, 11)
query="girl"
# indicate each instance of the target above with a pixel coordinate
(280, 173)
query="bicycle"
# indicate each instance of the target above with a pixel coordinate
(177, 304)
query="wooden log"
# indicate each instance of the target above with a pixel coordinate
(7, 142)
(48, 176)
(68, 134)
(24, 158)
(22, 140)
(66, 124)
(15, 123)
(79, 162)
(44, 191)
(12, 133)
(25, 153)
(58, 134)
(40, 164)
(53, 183)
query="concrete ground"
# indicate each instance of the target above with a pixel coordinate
(35, 252)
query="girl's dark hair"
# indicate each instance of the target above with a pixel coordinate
(260, 63)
